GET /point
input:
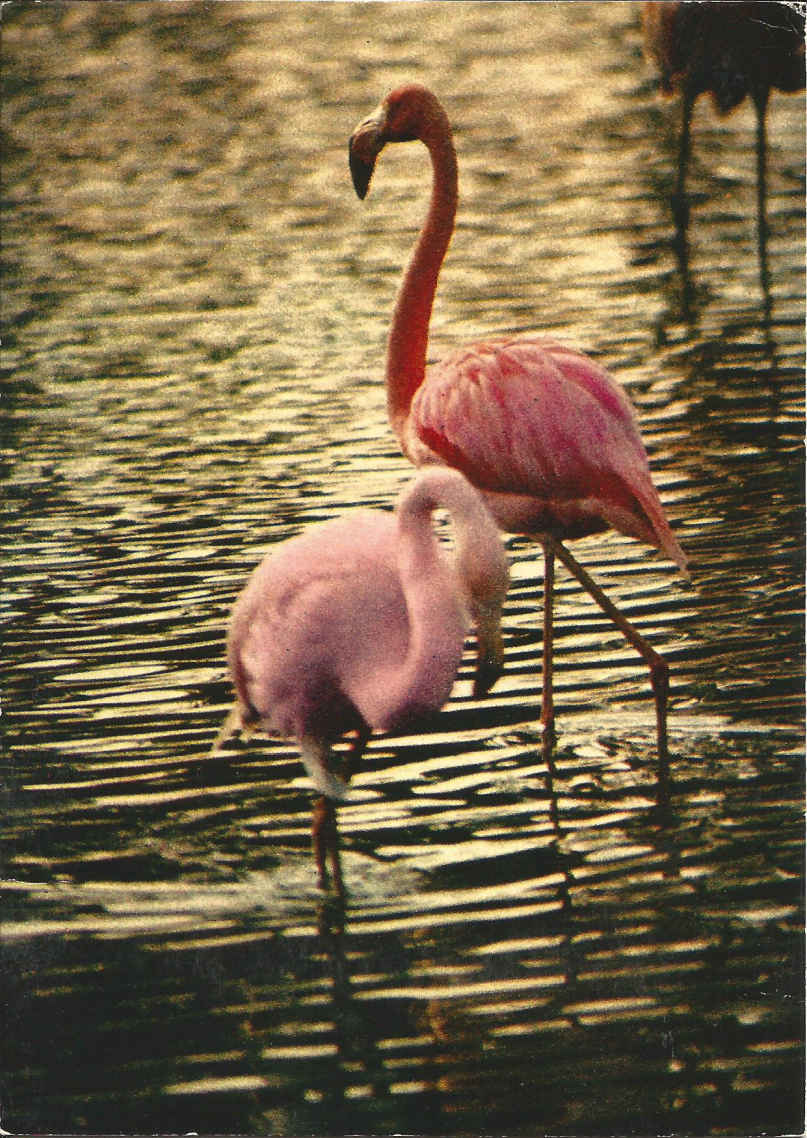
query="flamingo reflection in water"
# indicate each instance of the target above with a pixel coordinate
(546, 433)
(358, 624)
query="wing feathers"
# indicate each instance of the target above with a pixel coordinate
(531, 417)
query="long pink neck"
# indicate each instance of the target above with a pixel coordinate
(406, 351)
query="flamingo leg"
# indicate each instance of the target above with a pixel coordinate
(547, 701)
(325, 837)
(680, 204)
(324, 829)
(659, 669)
(760, 105)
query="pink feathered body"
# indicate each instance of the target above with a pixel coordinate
(533, 414)
(319, 625)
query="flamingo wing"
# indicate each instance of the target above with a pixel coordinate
(533, 419)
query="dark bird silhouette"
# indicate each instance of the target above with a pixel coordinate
(727, 50)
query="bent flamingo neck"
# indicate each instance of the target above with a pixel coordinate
(442, 596)
(406, 351)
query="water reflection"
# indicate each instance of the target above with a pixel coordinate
(195, 315)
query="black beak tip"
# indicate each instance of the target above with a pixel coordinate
(487, 673)
(361, 172)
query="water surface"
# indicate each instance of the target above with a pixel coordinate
(195, 315)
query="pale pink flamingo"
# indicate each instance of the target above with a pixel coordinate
(729, 50)
(358, 624)
(542, 430)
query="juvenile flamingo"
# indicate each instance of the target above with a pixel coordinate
(358, 624)
(542, 430)
(729, 50)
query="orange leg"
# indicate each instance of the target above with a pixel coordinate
(547, 700)
(659, 669)
(325, 836)
(324, 829)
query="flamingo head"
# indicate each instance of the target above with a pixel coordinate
(485, 574)
(487, 615)
(366, 143)
(399, 117)
(490, 655)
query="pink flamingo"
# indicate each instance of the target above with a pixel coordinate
(543, 431)
(358, 624)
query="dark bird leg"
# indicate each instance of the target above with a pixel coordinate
(760, 95)
(659, 670)
(680, 204)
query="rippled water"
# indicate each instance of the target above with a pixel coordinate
(195, 314)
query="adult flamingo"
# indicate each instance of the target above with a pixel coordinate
(542, 430)
(358, 624)
(730, 50)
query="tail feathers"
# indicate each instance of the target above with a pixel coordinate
(676, 554)
(314, 753)
(660, 534)
(236, 720)
(668, 545)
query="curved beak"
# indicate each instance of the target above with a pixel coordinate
(490, 649)
(366, 143)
